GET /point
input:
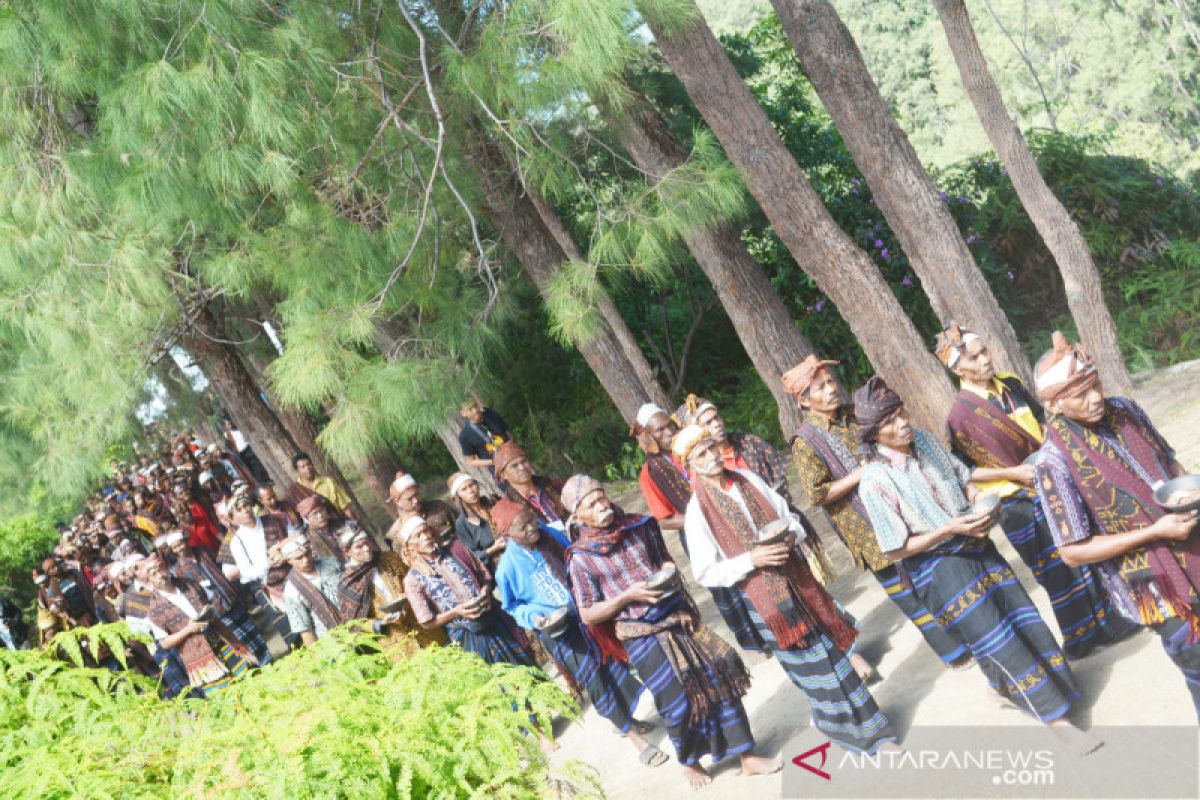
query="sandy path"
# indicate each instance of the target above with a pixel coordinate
(916, 689)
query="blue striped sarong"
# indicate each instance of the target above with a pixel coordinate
(1186, 655)
(614, 692)
(1081, 607)
(173, 679)
(732, 607)
(724, 732)
(975, 596)
(246, 632)
(842, 706)
(947, 648)
(494, 643)
(233, 662)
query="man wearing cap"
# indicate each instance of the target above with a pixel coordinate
(1096, 474)
(540, 493)
(995, 426)
(696, 679)
(132, 604)
(667, 489)
(743, 451)
(825, 448)
(199, 567)
(532, 583)
(405, 494)
(913, 490)
(372, 587)
(447, 587)
(308, 482)
(324, 541)
(808, 634)
(310, 594)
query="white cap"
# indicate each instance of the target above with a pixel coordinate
(293, 546)
(402, 483)
(205, 477)
(410, 527)
(646, 412)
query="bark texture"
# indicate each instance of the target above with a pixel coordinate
(763, 325)
(899, 183)
(1081, 278)
(840, 268)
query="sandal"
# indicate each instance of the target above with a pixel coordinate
(651, 756)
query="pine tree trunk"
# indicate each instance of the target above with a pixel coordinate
(239, 393)
(763, 325)
(449, 436)
(623, 373)
(1085, 296)
(840, 268)
(899, 184)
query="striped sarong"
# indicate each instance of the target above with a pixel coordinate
(233, 662)
(246, 632)
(1186, 655)
(975, 596)
(842, 706)
(495, 643)
(725, 732)
(947, 648)
(731, 605)
(1081, 607)
(173, 679)
(614, 692)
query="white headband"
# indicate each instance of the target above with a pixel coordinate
(646, 412)
(1059, 373)
(292, 547)
(410, 527)
(704, 407)
(172, 537)
(967, 338)
(351, 536)
(402, 483)
(459, 483)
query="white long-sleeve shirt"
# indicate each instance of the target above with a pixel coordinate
(249, 548)
(710, 566)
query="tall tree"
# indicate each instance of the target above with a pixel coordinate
(765, 328)
(840, 268)
(1085, 295)
(899, 183)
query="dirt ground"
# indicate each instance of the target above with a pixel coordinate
(1131, 683)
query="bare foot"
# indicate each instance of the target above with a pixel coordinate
(697, 778)
(547, 744)
(862, 668)
(757, 765)
(1002, 701)
(965, 661)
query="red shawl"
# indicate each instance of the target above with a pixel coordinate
(788, 598)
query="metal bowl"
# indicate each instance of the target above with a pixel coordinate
(555, 623)
(773, 532)
(986, 504)
(664, 580)
(1168, 490)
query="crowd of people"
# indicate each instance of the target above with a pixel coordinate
(197, 549)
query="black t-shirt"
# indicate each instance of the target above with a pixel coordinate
(478, 439)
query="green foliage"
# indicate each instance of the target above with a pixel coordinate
(341, 718)
(24, 541)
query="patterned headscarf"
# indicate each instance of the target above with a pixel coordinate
(576, 488)
(504, 513)
(874, 404)
(797, 379)
(1065, 371)
(952, 343)
(309, 505)
(689, 413)
(506, 454)
(686, 441)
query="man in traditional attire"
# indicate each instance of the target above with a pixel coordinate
(269, 504)
(667, 489)
(1096, 472)
(250, 562)
(310, 593)
(913, 490)
(447, 587)
(372, 587)
(697, 680)
(532, 583)
(198, 566)
(323, 540)
(132, 604)
(181, 618)
(995, 426)
(825, 449)
(808, 633)
(540, 493)
(405, 494)
(309, 482)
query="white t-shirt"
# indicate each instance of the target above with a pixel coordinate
(249, 547)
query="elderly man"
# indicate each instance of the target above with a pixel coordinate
(743, 451)
(181, 618)
(995, 426)
(808, 633)
(483, 433)
(317, 514)
(198, 566)
(532, 583)
(825, 449)
(1095, 476)
(310, 593)
(913, 489)
(667, 489)
(540, 493)
(697, 680)
(308, 482)
(405, 494)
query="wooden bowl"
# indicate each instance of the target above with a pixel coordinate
(1168, 494)
(986, 504)
(665, 580)
(555, 623)
(773, 532)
